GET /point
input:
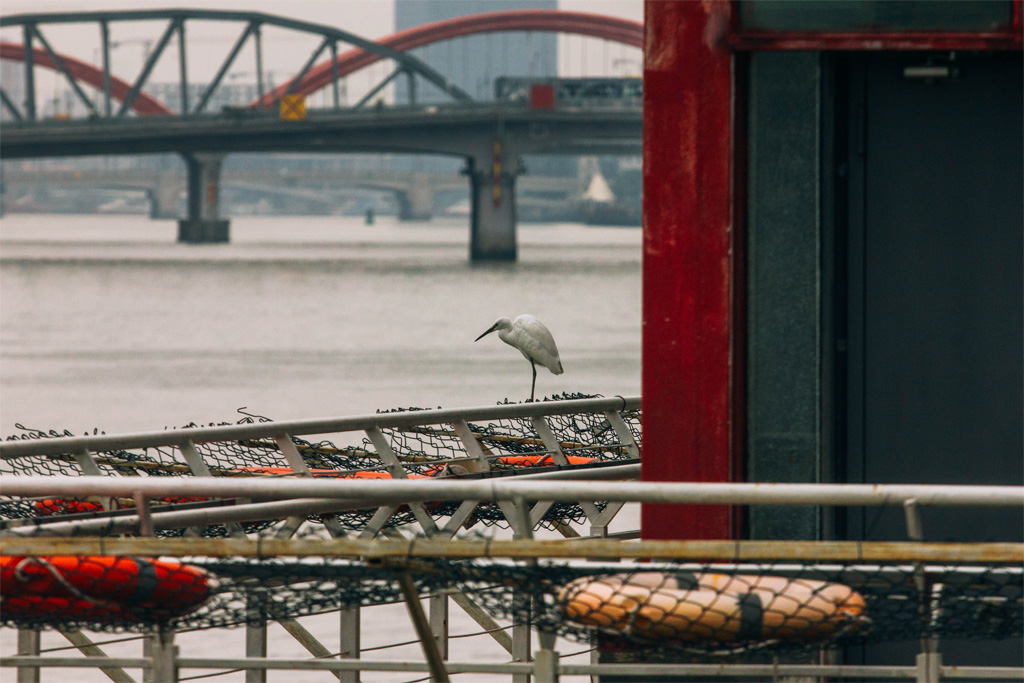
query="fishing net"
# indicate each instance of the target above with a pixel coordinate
(744, 612)
(737, 612)
(510, 446)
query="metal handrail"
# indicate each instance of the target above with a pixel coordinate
(154, 439)
(584, 548)
(419, 490)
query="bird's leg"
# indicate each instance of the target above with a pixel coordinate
(533, 386)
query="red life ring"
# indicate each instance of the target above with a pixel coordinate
(35, 609)
(58, 506)
(119, 584)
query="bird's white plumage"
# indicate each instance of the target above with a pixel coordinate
(534, 341)
(532, 338)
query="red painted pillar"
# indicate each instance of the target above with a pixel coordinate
(688, 290)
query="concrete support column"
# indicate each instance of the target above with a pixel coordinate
(492, 180)
(417, 203)
(203, 224)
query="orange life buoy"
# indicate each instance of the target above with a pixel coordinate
(539, 460)
(337, 474)
(58, 506)
(706, 606)
(435, 471)
(160, 587)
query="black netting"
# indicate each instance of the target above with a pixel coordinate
(425, 451)
(715, 610)
(707, 611)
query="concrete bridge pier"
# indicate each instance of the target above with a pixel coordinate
(492, 227)
(203, 224)
(417, 203)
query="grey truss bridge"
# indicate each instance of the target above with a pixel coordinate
(491, 136)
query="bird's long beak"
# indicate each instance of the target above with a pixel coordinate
(493, 328)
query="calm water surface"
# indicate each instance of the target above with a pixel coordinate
(106, 322)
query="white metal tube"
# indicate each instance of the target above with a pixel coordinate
(744, 670)
(253, 512)
(420, 490)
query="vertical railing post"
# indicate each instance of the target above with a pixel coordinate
(521, 631)
(929, 660)
(256, 640)
(545, 661)
(28, 644)
(928, 664)
(351, 639)
(521, 636)
(439, 621)
(163, 655)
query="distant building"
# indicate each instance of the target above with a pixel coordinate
(472, 63)
(226, 95)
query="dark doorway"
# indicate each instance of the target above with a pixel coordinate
(935, 335)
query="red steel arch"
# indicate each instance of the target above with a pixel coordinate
(582, 23)
(144, 105)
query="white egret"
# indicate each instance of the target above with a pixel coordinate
(534, 341)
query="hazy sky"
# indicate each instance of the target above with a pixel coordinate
(284, 51)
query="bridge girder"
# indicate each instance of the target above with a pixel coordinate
(557, 21)
(176, 19)
(427, 131)
(309, 79)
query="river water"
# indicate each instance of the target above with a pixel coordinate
(106, 322)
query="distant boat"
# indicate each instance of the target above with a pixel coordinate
(599, 191)
(600, 206)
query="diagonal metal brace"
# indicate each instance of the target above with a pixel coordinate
(438, 672)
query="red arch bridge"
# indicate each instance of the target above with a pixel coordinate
(593, 116)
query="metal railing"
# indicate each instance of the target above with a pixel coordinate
(522, 498)
(90, 452)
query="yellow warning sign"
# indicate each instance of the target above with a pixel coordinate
(293, 108)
